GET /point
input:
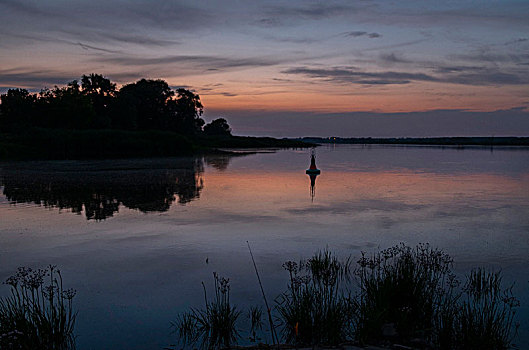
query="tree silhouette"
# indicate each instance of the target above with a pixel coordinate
(150, 103)
(189, 110)
(101, 92)
(16, 109)
(64, 108)
(218, 127)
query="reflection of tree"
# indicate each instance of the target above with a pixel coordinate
(100, 192)
(219, 162)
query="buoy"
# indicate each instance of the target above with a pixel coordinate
(312, 170)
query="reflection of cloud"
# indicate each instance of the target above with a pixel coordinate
(349, 207)
(216, 217)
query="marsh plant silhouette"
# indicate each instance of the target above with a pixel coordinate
(401, 295)
(99, 192)
(38, 313)
(214, 326)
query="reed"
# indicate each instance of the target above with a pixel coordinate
(401, 291)
(486, 313)
(213, 327)
(37, 315)
(406, 296)
(316, 308)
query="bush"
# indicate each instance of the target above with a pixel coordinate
(37, 316)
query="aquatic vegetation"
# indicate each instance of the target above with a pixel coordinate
(215, 325)
(401, 291)
(316, 308)
(37, 315)
(406, 295)
(485, 319)
(255, 314)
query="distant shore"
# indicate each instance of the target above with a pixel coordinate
(434, 141)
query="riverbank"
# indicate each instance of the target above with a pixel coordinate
(107, 144)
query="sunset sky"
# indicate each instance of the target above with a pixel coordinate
(293, 68)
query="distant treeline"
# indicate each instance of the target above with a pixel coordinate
(94, 119)
(441, 141)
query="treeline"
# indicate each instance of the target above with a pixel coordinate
(96, 103)
(434, 141)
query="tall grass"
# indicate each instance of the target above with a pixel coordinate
(406, 295)
(255, 314)
(316, 309)
(401, 291)
(213, 327)
(37, 315)
(486, 314)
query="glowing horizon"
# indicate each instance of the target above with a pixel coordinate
(337, 57)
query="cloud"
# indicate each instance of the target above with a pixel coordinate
(90, 47)
(193, 64)
(452, 74)
(99, 22)
(309, 11)
(392, 58)
(356, 34)
(36, 79)
(32, 78)
(492, 57)
(355, 76)
(268, 22)
(517, 41)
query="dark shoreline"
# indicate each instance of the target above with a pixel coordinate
(62, 144)
(433, 141)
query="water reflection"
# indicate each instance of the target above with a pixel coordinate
(220, 162)
(312, 186)
(98, 190)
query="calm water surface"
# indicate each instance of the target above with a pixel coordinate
(133, 236)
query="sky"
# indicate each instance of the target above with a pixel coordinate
(290, 68)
